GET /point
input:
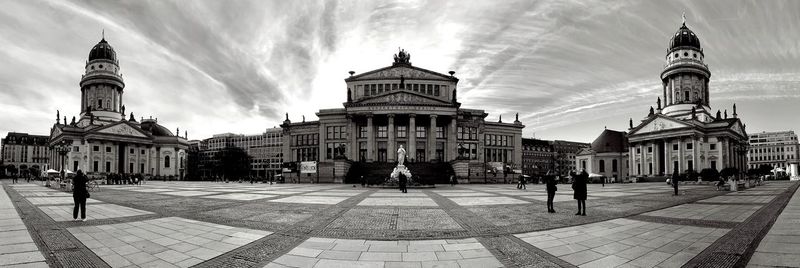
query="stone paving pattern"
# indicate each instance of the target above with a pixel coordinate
(281, 224)
(328, 252)
(16, 245)
(781, 246)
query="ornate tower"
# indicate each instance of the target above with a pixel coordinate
(685, 77)
(102, 86)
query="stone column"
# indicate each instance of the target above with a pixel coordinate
(353, 130)
(432, 139)
(450, 152)
(412, 136)
(695, 162)
(631, 160)
(323, 146)
(719, 154)
(667, 148)
(391, 151)
(681, 159)
(370, 139)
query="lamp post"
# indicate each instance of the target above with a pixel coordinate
(62, 149)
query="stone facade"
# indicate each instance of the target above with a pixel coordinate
(102, 140)
(684, 134)
(608, 156)
(401, 105)
(778, 149)
(24, 151)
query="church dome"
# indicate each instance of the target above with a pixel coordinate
(155, 129)
(684, 38)
(103, 51)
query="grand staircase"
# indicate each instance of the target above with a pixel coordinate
(375, 173)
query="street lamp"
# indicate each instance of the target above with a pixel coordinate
(61, 148)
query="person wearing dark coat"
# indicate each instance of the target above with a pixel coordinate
(79, 195)
(551, 182)
(403, 180)
(579, 188)
(676, 177)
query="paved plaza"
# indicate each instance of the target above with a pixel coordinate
(203, 224)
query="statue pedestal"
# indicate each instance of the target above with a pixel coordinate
(395, 176)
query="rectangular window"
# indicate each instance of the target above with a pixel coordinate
(487, 139)
(402, 131)
(460, 131)
(76, 148)
(712, 146)
(132, 151)
(383, 131)
(394, 86)
(638, 150)
(649, 149)
(366, 91)
(429, 91)
(675, 147)
(421, 133)
(473, 133)
(108, 166)
(690, 165)
(108, 149)
(373, 87)
(373, 91)
(95, 166)
(436, 90)
(96, 148)
(440, 132)
(142, 151)
(362, 132)
(416, 87)
(688, 146)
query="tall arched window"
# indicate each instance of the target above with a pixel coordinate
(99, 104)
(686, 96)
(166, 161)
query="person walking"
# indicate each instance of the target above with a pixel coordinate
(79, 195)
(521, 184)
(579, 188)
(363, 182)
(676, 177)
(550, 181)
(452, 180)
(402, 181)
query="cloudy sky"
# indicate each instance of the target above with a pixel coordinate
(569, 68)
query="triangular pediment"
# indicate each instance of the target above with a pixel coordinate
(737, 127)
(406, 71)
(402, 97)
(659, 123)
(56, 132)
(122, 129)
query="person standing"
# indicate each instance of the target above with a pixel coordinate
(676, 177)
(363, 182)
(579, 188)
(550, 181)
(402, 181)
(79, 195)
(452, 180)
(522, 182)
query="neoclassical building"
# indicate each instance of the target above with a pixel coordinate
(685, 132)
(402, 105)
(102, 140)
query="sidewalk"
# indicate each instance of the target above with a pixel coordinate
(16, 245)
(781, 246)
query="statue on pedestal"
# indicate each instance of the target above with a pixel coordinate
(401, 155)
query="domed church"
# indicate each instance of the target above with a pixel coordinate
(683, 131)
(102, 140)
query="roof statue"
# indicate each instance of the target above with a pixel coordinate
(651, 111)
(454, 95)
(719, 115)
(734, 110)
(402, 57)
(65, 120)
(123, 110)
(501, 119)
(58, 117)
(726, 113)
(630, 123)
(402, 82)
(658, 102)
(304, 118)
(178, 131)
(684, 17)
